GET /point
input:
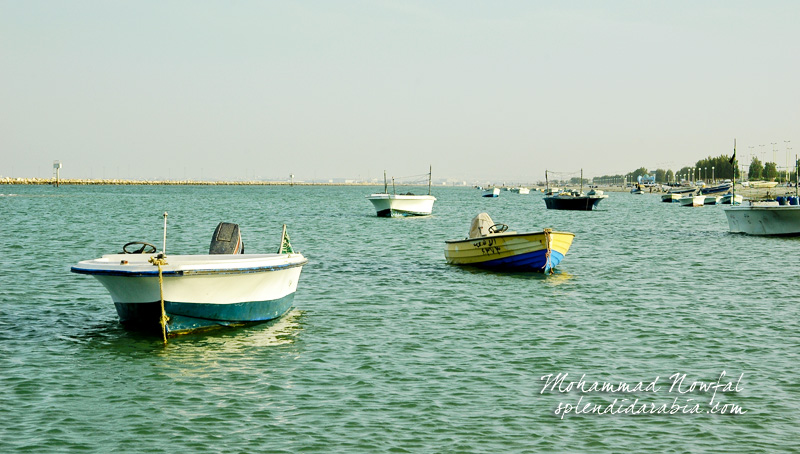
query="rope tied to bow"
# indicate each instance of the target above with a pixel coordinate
(547, 240)
(159, 260)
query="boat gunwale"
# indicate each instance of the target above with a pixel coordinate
(139, 272)
(385, 196)
(742, 207)
(505, 235)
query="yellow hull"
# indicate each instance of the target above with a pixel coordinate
(522, 251)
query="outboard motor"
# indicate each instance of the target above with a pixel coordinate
(226, 240)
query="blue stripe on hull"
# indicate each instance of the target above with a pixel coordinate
(532, 261)
(186, 317)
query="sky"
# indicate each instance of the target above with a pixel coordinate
(481, 91)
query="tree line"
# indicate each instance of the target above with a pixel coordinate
(709, 170)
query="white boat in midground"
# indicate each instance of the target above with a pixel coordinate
(729, 198)
(764, 218)
(399, 205)
(692, 200)
(675, 194)
(491, 192)
(182, 293)
(767, 217)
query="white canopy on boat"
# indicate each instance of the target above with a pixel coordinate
(480, 225)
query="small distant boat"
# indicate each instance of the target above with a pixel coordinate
(711, 199)
(692, 200)
(762, 184)
(718, 189)
(400, 205)
(492, 246)
(184, 293)
(572, 199)
(521, 190)
(595, 192)
(637, 190)
(764, 218)
(726, 199)
(491, 192)
(551, 191)
(676, 193)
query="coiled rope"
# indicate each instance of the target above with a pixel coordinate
(159, 260)
(547, 240)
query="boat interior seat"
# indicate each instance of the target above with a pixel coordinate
(227, 239)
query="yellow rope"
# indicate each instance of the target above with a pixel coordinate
(547, 241)
(158, 261)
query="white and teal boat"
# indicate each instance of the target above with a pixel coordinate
(400, 205)
(183, 293)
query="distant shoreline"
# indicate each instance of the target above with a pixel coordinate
(746, 192)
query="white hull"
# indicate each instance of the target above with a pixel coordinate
(392, 205)
(495, 192)
(712, 199)
(765, 218)
(763, 184)
(203, 279)
(199, 291)
(726, 199)
(692, 200)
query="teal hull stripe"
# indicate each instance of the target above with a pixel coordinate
(184, 317)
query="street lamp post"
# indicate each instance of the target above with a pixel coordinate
(787, 159)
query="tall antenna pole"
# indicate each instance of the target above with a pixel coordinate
(164, 244)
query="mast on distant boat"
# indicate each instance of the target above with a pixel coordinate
(385, 184)
(430, 171)
(581, 181)
(733, 161)
(546, 183)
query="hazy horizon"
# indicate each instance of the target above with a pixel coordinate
(482, 92)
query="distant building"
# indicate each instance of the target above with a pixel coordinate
(646, 180)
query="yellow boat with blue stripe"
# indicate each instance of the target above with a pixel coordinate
(492, 246)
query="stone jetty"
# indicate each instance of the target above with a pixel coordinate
(83, 181)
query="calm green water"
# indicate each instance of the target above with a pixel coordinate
(389, 349)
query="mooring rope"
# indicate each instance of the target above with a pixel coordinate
(158, 261)
(547, 241)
